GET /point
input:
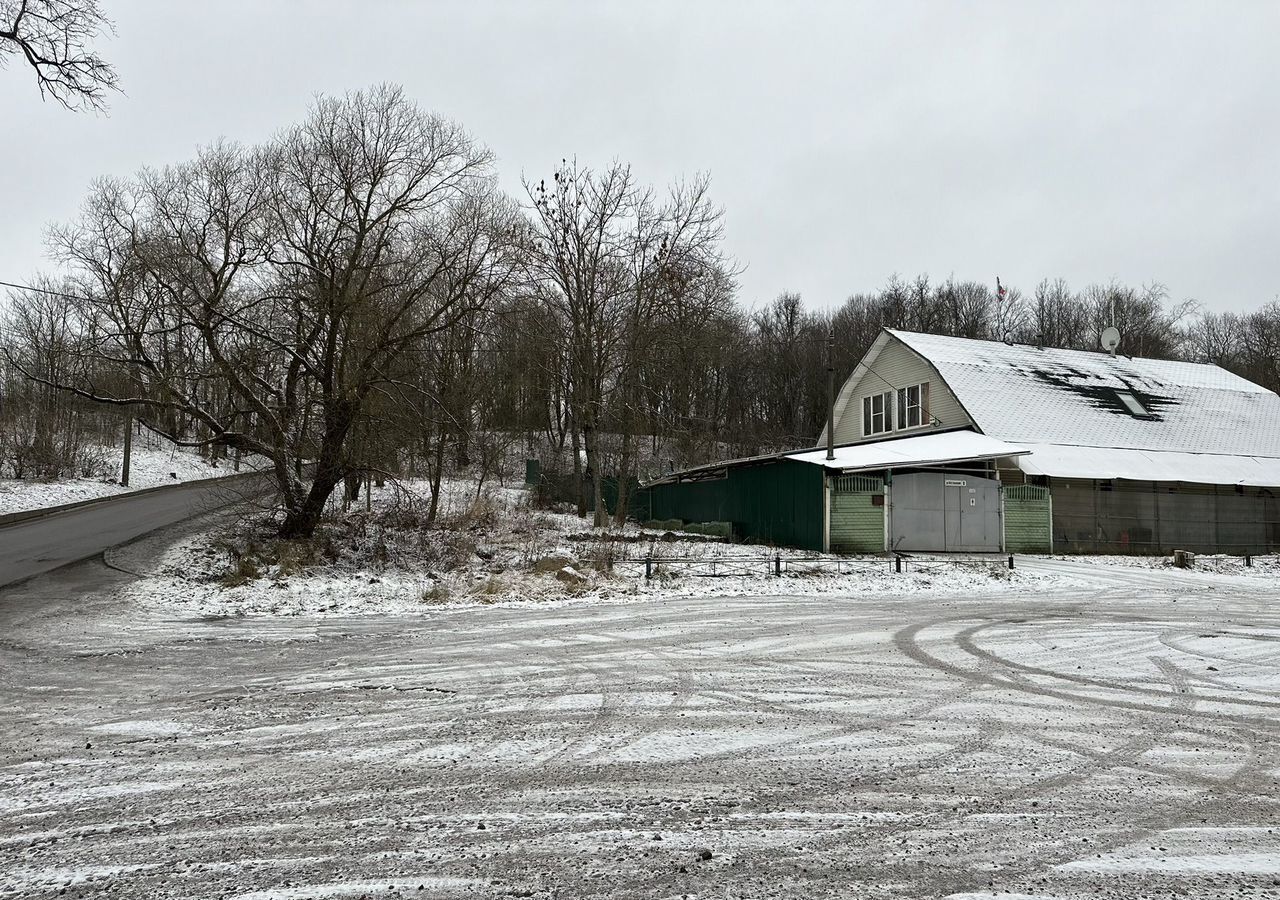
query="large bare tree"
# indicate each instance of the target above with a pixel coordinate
(55, 37)
(258, 298)
(579, 249)
(610, 259)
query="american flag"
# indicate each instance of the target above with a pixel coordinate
(1000, 290)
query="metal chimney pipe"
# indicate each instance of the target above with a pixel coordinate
(831, 394)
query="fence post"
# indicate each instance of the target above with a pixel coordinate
(777, 564)
(648, 567)
(897, 564)
(1248, 561)
(1010, 560)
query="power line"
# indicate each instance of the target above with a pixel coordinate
(32, 287)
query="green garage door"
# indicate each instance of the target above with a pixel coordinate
(1028, 514)
(857, 514)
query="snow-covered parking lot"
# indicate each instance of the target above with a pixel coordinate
(1114, 734)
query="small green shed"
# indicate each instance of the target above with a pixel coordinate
(771, 500)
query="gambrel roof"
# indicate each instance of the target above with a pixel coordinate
(1031, 396)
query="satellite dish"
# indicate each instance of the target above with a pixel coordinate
(1111, 339)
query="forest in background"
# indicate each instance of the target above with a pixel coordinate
(357, 296)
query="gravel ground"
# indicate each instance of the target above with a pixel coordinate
(1117, 740)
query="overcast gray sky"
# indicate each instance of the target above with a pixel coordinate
(847, 141)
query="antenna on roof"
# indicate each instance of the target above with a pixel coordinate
(1110, 339)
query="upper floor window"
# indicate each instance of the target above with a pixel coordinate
(877, 413)
(913, 405)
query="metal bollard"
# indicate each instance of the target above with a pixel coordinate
(1010, 560)
(897, 564)
(648, 567)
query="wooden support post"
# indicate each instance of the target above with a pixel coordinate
(128, 450)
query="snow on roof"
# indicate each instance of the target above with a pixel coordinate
(1047, 396)
(1150, 465)
(923, 450)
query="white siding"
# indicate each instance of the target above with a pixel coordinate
(900, 367)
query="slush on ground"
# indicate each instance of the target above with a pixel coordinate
(1113, 733)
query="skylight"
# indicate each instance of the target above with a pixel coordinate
(1131, 403)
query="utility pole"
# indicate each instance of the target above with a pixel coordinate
(128, 450)
(831, 394)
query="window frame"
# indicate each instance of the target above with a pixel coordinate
(869, 413)
(1132, 405)
(920, 408)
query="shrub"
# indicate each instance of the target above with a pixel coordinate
(437, 593)
(243, 570)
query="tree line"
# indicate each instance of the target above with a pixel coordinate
(356, 295)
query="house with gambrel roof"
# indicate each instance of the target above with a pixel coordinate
(953, 444)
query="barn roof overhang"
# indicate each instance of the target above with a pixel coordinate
(1105, 463)
(934, 449)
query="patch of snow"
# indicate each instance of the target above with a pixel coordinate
(141, 728)
(155, 462)
(363, 888)
(1190, 851)
(1203, 864)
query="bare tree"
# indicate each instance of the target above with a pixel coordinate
(674, 265)
(1216, 338)
(267, 295)
(579, 250)
(54, 37)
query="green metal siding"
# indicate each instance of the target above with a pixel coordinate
(857, 524)
(775, 502)
(1027, 519)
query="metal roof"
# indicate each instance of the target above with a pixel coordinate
(1022, 393)
(937, 448)
(922, 450)
(1062, 461)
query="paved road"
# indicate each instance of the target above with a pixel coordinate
(41, 545)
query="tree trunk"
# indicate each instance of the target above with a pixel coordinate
(301, 519)
(437, 474)
(624, 473)
(580, 494)
(351, 493)
(591, 440)
(301, 523)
